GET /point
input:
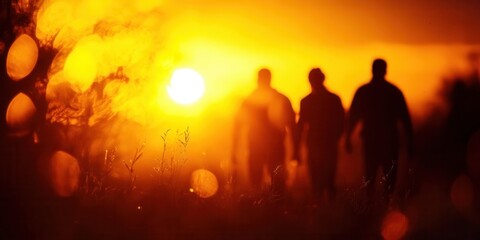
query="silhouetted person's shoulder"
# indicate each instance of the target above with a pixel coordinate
(280, 97)
(323, 110)
(323, 101)
(324, 95)
(378, 98)
(379, 87)
(281, 110)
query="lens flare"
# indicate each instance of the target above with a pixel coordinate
(395, 225)
(52, 18)
(204, 183)
(462, 193)
(20, 115)
(65, 173)
(186, 86)
(81, 65)
(22, 57)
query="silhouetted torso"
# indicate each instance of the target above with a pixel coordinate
(462, 122)
(464, 116)
(266, 114)
(324, 114)
(264, 111)
(380, 105)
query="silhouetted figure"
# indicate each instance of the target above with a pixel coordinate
(267, 115)
(322, 120)
(380, 106)
(463, 118)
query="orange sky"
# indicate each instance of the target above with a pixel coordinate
(348, 21)
(228, 41)
(422, 42)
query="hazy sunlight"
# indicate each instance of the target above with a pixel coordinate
(186, 86)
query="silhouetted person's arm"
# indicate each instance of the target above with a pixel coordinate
(298, 132)
(235, 137)
(340, 118)
(238, 124)
(291, 126)
(352, 120)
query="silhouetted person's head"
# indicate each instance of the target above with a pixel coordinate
(316, 78)
(379, 68)
(264, 77)
(474, 60)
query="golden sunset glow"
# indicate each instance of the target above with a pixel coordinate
(227, 47)
(209, 119)
(186, 86)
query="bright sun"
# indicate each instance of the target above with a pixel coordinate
(186, 86)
